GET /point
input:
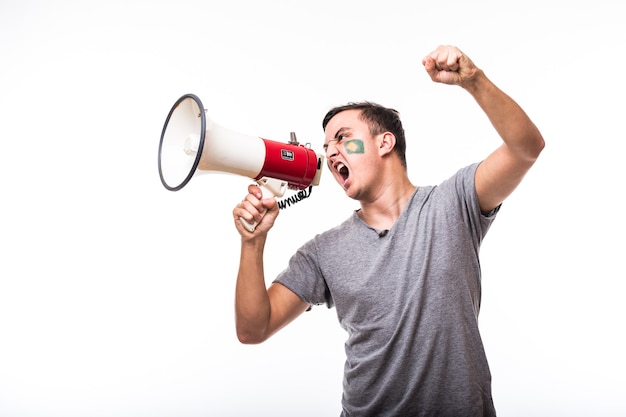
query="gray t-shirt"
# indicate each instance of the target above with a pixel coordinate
(409, 301)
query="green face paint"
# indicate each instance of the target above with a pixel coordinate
(354, 146)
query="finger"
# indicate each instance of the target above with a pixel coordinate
(270, 204)
(249, 206)
(241, 213)
(429, 65)
(464, 61)
(444, 61)
(255, 190)
(453, 56)
(428, 62)
(254, 207)
(452, 64)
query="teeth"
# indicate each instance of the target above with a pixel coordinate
(342, 169)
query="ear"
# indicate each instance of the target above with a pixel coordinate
(386, 143)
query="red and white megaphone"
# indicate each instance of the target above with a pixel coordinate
(192, 144)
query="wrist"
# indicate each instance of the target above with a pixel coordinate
(475, 82)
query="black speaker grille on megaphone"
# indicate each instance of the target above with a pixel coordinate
(182, 141)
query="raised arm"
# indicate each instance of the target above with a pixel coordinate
(503, 170)
(259, 311)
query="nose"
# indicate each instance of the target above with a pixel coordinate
(331, 149)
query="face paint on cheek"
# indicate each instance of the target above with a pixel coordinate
(354, 146)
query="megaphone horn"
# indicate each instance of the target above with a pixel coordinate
(192, 144)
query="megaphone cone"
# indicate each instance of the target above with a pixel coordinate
(192, 144)
(185, 123)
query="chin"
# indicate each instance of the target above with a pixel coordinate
(351, 192)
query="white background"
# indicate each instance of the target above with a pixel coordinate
(116, 295)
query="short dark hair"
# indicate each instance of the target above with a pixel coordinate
(379, 118)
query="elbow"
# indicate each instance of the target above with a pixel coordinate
(540, 145)
(247, 337)
(533, 148)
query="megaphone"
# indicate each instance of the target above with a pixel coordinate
(193, 144)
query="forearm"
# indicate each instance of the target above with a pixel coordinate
(252, 306)
(513, 125)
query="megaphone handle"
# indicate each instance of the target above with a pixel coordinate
(251, 226)
(270, 187)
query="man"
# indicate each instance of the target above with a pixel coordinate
(403, 270)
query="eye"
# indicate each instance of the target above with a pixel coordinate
(337, 139)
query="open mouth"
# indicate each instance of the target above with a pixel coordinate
(343, 171)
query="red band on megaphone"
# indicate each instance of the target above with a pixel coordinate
(295, 164)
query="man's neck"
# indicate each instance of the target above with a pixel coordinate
(382, 212)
